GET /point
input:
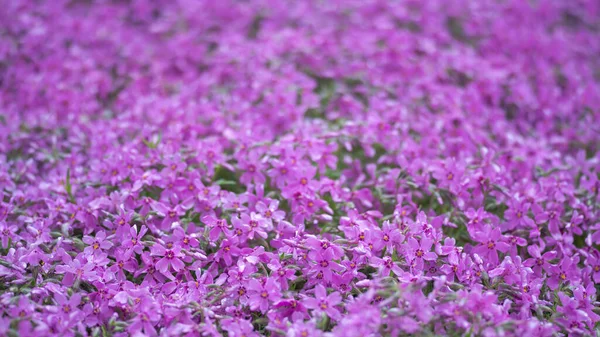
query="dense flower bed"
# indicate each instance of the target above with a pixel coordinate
(300, 168)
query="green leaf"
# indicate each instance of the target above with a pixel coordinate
(68, 186)
(227, 179)
(153, 145)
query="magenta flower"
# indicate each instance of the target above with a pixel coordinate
(389, 236)
(386, 265)
(170, 258)
(254, 224)
(419, 251)
(133, 243)
(324, 246)
(490, 243)
(7, 233)
(300, 329)
(122, 223)
(517, 215)
(261, 294)
(449, 174)
(169, 214)
(565, 272)
(124, 262)
(594, 264)
(281, 274)
(96, 244)
(270, 212)
(153, 276)
(207, 168)
(323, 303)
(539, 261)
(551, 216)
(217, 226)
(144, 323)
(476, 217)
(282, 171)
(227, 251)
(77, 269)
(324, 265)
(252, 167)
(24, 309)
(67, 308)
(183, 239)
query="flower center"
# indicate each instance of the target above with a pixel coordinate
(264, 294)
(491, 245)
(170, 254)
(419, 253)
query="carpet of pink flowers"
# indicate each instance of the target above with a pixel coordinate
(299, 168)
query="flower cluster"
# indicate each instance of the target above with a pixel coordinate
(299, 168)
